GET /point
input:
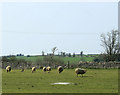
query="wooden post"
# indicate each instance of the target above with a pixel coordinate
(68, 64)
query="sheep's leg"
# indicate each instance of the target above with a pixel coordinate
(77, 75)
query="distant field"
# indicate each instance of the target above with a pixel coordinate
(72, 60)
(94, 81)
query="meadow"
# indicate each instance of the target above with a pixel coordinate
(73, 60)
(94, 81)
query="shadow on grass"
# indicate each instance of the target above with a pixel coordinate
(84, 76)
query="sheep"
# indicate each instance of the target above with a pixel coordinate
(33, 69)
(8, 68)
(44, 69)
(48, 69)
(80, 71)
(60, 69)
(22, 70)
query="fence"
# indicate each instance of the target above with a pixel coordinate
(69, 66)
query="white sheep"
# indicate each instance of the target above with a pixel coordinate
(44, 69)
(33, 69)
(60, 69)
(48, 69)
(8, 68)
(80, 71)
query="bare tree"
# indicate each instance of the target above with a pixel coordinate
(53, 52)
(43, 53)
(110, 44)
(54, 49)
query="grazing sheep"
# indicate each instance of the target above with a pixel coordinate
(8, 68)
(60, 69)
(22, 70)
(80, 71)
(44, 69)
(33, 69)
(48, 69)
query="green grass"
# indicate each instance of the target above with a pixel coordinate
(73, 60)
(94, 81)
(33, 58)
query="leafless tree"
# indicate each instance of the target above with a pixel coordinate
(43, 53)
(110, 44)
(54, 49)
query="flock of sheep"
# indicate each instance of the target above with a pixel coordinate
(60, 69)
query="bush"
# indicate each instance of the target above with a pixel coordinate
(99, 58)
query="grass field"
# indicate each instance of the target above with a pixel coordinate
(72, 60)
(94, 81)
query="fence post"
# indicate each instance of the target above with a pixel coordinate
(68, 64)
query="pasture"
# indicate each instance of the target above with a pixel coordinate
(72, 60)
(94, 81)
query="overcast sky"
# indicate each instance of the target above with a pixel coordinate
(30, 28)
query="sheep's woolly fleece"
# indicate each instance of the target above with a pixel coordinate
(8, 68)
